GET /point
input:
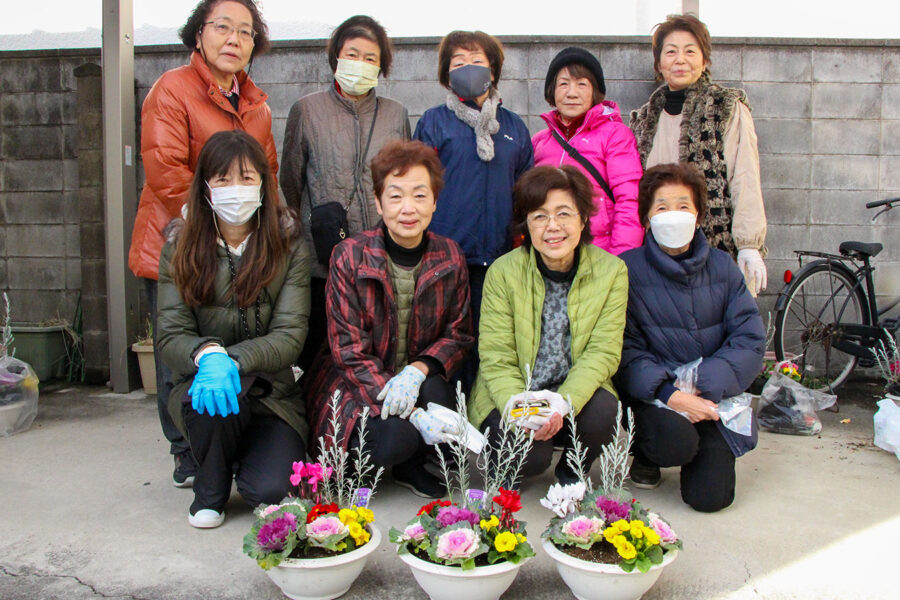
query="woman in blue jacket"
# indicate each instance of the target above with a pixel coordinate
(686, 301)
(484, 148)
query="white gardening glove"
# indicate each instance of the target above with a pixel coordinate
(751, 264)
(434, 430)
(401, 392)
(531, 419)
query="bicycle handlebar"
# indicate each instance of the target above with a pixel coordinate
(882, 202)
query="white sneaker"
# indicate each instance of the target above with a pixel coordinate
(206, 518)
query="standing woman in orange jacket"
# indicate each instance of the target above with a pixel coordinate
(184, 108)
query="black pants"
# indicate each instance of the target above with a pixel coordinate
(164, 384)
(665, 438)
(317, 335)
(596, 425)
(469, 366)
(264, 447)
(395, 441)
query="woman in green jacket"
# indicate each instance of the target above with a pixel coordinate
(233, 310)
(553, 310)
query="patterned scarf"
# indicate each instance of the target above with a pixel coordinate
(483, 122)
(707, 110)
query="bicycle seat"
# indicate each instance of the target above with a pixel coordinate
(860, 250)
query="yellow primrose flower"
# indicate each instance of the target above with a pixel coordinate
(610, 533)
(622, 525)
(652, 536)
(367, 515)
(637, 524)
(490, 523)
(637, 532)
(359, 535)
(626, 550)
(506, 541)
(522, 539)
(348, 516)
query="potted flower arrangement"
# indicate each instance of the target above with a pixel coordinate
(887, 357)
(470, 545)
(605, 543)
(315, 544)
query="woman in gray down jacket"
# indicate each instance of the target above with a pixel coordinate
(233, 308)
(330, 139)
(686, 301)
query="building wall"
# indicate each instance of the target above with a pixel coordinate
(827, 113)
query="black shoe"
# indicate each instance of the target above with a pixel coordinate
(419, 481)
(185, 470)
(564, 475)
(644, 475)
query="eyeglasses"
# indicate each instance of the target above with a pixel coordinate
(564, 218)
(224, 28)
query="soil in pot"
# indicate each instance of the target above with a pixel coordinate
(598, 553)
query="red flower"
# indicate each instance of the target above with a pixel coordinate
(426, 510)
(320, 509)
(508, 500)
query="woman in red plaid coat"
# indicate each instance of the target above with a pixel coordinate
(397, 302)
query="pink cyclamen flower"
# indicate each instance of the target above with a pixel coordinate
(613, 510)
(582, 529)
(458, 543)
(324, 527)
(449, 515)
(414, 532)
(315, 473)
(273, 535)
(895, 367)
(666, 535)
(299, 473)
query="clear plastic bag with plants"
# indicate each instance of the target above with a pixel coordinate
(18, 384)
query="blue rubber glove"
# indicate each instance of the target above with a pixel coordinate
(216, 385)
(401, 392)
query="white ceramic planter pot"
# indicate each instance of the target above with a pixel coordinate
(452, 583)
(322, 578)
(147, 364)
(596, 581)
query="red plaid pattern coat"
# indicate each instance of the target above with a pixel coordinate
(362, 325)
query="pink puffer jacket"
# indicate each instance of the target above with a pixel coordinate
(609, 145)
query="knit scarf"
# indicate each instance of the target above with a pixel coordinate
(707, 110)
(483, 122)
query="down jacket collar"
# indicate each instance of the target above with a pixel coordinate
(598, 114)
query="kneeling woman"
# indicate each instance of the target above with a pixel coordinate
(686, 301)
(233, 310)
(397, 301)
(555, 307)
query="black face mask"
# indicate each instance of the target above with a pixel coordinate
(470, 82)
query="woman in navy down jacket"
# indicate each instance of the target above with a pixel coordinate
(686, 301)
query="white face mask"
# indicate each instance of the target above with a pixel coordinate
(235, 204)
(674, 228)
(356, 77)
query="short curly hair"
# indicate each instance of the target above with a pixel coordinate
(684, 174)
(397, 158)
(361, 26)
(191, 29)
(531, 193)
(471, 41)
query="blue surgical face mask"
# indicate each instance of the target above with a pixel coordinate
(470, 82)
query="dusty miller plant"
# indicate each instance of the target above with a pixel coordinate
(6, 334)
(343, 486)
(887, 356)
(613, 459)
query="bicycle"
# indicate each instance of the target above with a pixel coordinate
(827, 315)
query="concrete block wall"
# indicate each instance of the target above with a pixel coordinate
(827, 115)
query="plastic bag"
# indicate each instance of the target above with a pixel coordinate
(786, 406)
(735, 413)
(18, 395)
(887, 426)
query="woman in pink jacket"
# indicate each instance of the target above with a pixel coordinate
(586, 131)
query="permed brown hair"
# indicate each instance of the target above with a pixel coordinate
(684, 174)
(361, 26)
(576, 71)
(397, 158)
(194, 262)
(471, 41)
(191, 29)
(688, 23)
(531, 193)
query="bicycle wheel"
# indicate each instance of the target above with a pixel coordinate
(822, 299)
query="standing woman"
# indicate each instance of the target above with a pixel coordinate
(484, 148)
(183, 109)
(586, 131)
(233, 308)
(328, 142)
(691, 119)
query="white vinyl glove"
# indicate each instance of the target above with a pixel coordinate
(433, 429)
(751, 264)
(401, 392)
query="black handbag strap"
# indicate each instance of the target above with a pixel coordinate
(359, 187)
(581, 160)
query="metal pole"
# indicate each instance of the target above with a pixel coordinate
(120, 187)
(690, 7)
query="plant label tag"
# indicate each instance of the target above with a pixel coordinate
(474, 496)
(362, 497)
